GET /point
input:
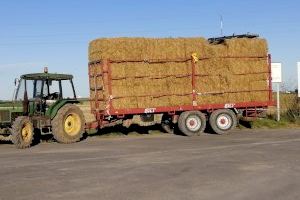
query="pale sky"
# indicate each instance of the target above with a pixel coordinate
(56, 33)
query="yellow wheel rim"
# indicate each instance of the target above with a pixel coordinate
(27, 132)
(72, 124)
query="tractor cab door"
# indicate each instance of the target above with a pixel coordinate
(21, 96)
(30, 92)
(33, 95)
(52, 92)
(46, 93)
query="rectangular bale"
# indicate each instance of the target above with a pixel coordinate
(154, 72)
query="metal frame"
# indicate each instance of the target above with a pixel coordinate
(119, 113)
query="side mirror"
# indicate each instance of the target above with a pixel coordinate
(17, 81)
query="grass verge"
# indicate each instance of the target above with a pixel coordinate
(269, 123)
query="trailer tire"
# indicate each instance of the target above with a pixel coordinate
(192, 123)
(22, 132)
(222, 121)
(68, 124)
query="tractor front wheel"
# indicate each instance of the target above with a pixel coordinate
(22, 132)
(68, 124)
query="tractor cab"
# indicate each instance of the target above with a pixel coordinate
(39, 91)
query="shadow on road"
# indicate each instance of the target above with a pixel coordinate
(121, 130)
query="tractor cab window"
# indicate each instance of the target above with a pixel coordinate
(45, 89)
(67, 89)
(20, 90)
(38, 89)
(25, 85)
(54, 91)
(29, 87)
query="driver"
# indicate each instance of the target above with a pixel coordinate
(53, 96)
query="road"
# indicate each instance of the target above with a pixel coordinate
(246, 164)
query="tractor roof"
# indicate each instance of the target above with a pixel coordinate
(47, 76)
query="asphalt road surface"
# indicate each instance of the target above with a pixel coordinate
(247, 164)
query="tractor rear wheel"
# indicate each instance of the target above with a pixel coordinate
(68, 124)
(22, 132)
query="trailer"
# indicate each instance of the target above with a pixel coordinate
(116, 97)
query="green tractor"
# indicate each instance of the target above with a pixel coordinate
(43, 103)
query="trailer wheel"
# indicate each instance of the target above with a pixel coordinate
(68, 124)
(22, 132)
(222, 121)
(192, 123)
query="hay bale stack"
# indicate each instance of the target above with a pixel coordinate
(144, 48)
(150, 72)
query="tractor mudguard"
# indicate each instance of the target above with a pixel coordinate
(53, 109)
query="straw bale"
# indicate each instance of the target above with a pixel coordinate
(258, 77)
(208, 84)
(148, 102)
(144, 102)
(247, 65)
(119, 70)
(116, 48)
(145, 48)
(259, 95)
(176, 100)
(95, 70)
(96, 83)
(255, 47)
(142, 86)
(101, 105)
(98, 93)
(129, 69)
(179, 86)
(237, 83)
(172, 48)
(169, 69)
(213, 66)
(160, 101)
(215, 51)
(221, 77)
(128, 102)
(211, 99)
(238, 97)
(196, 45)
(119, 88)
(259, 85)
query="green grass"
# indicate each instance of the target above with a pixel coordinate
(273, 124)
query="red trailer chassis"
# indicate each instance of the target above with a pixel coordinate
(251, 109)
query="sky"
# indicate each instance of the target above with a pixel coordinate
(52, 33)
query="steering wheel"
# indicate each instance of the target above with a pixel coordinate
(53, 96)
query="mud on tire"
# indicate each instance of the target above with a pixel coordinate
(68, 124)
(22, 132)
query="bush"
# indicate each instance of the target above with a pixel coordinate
(291, 104)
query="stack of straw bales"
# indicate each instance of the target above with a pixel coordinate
(148, 72)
